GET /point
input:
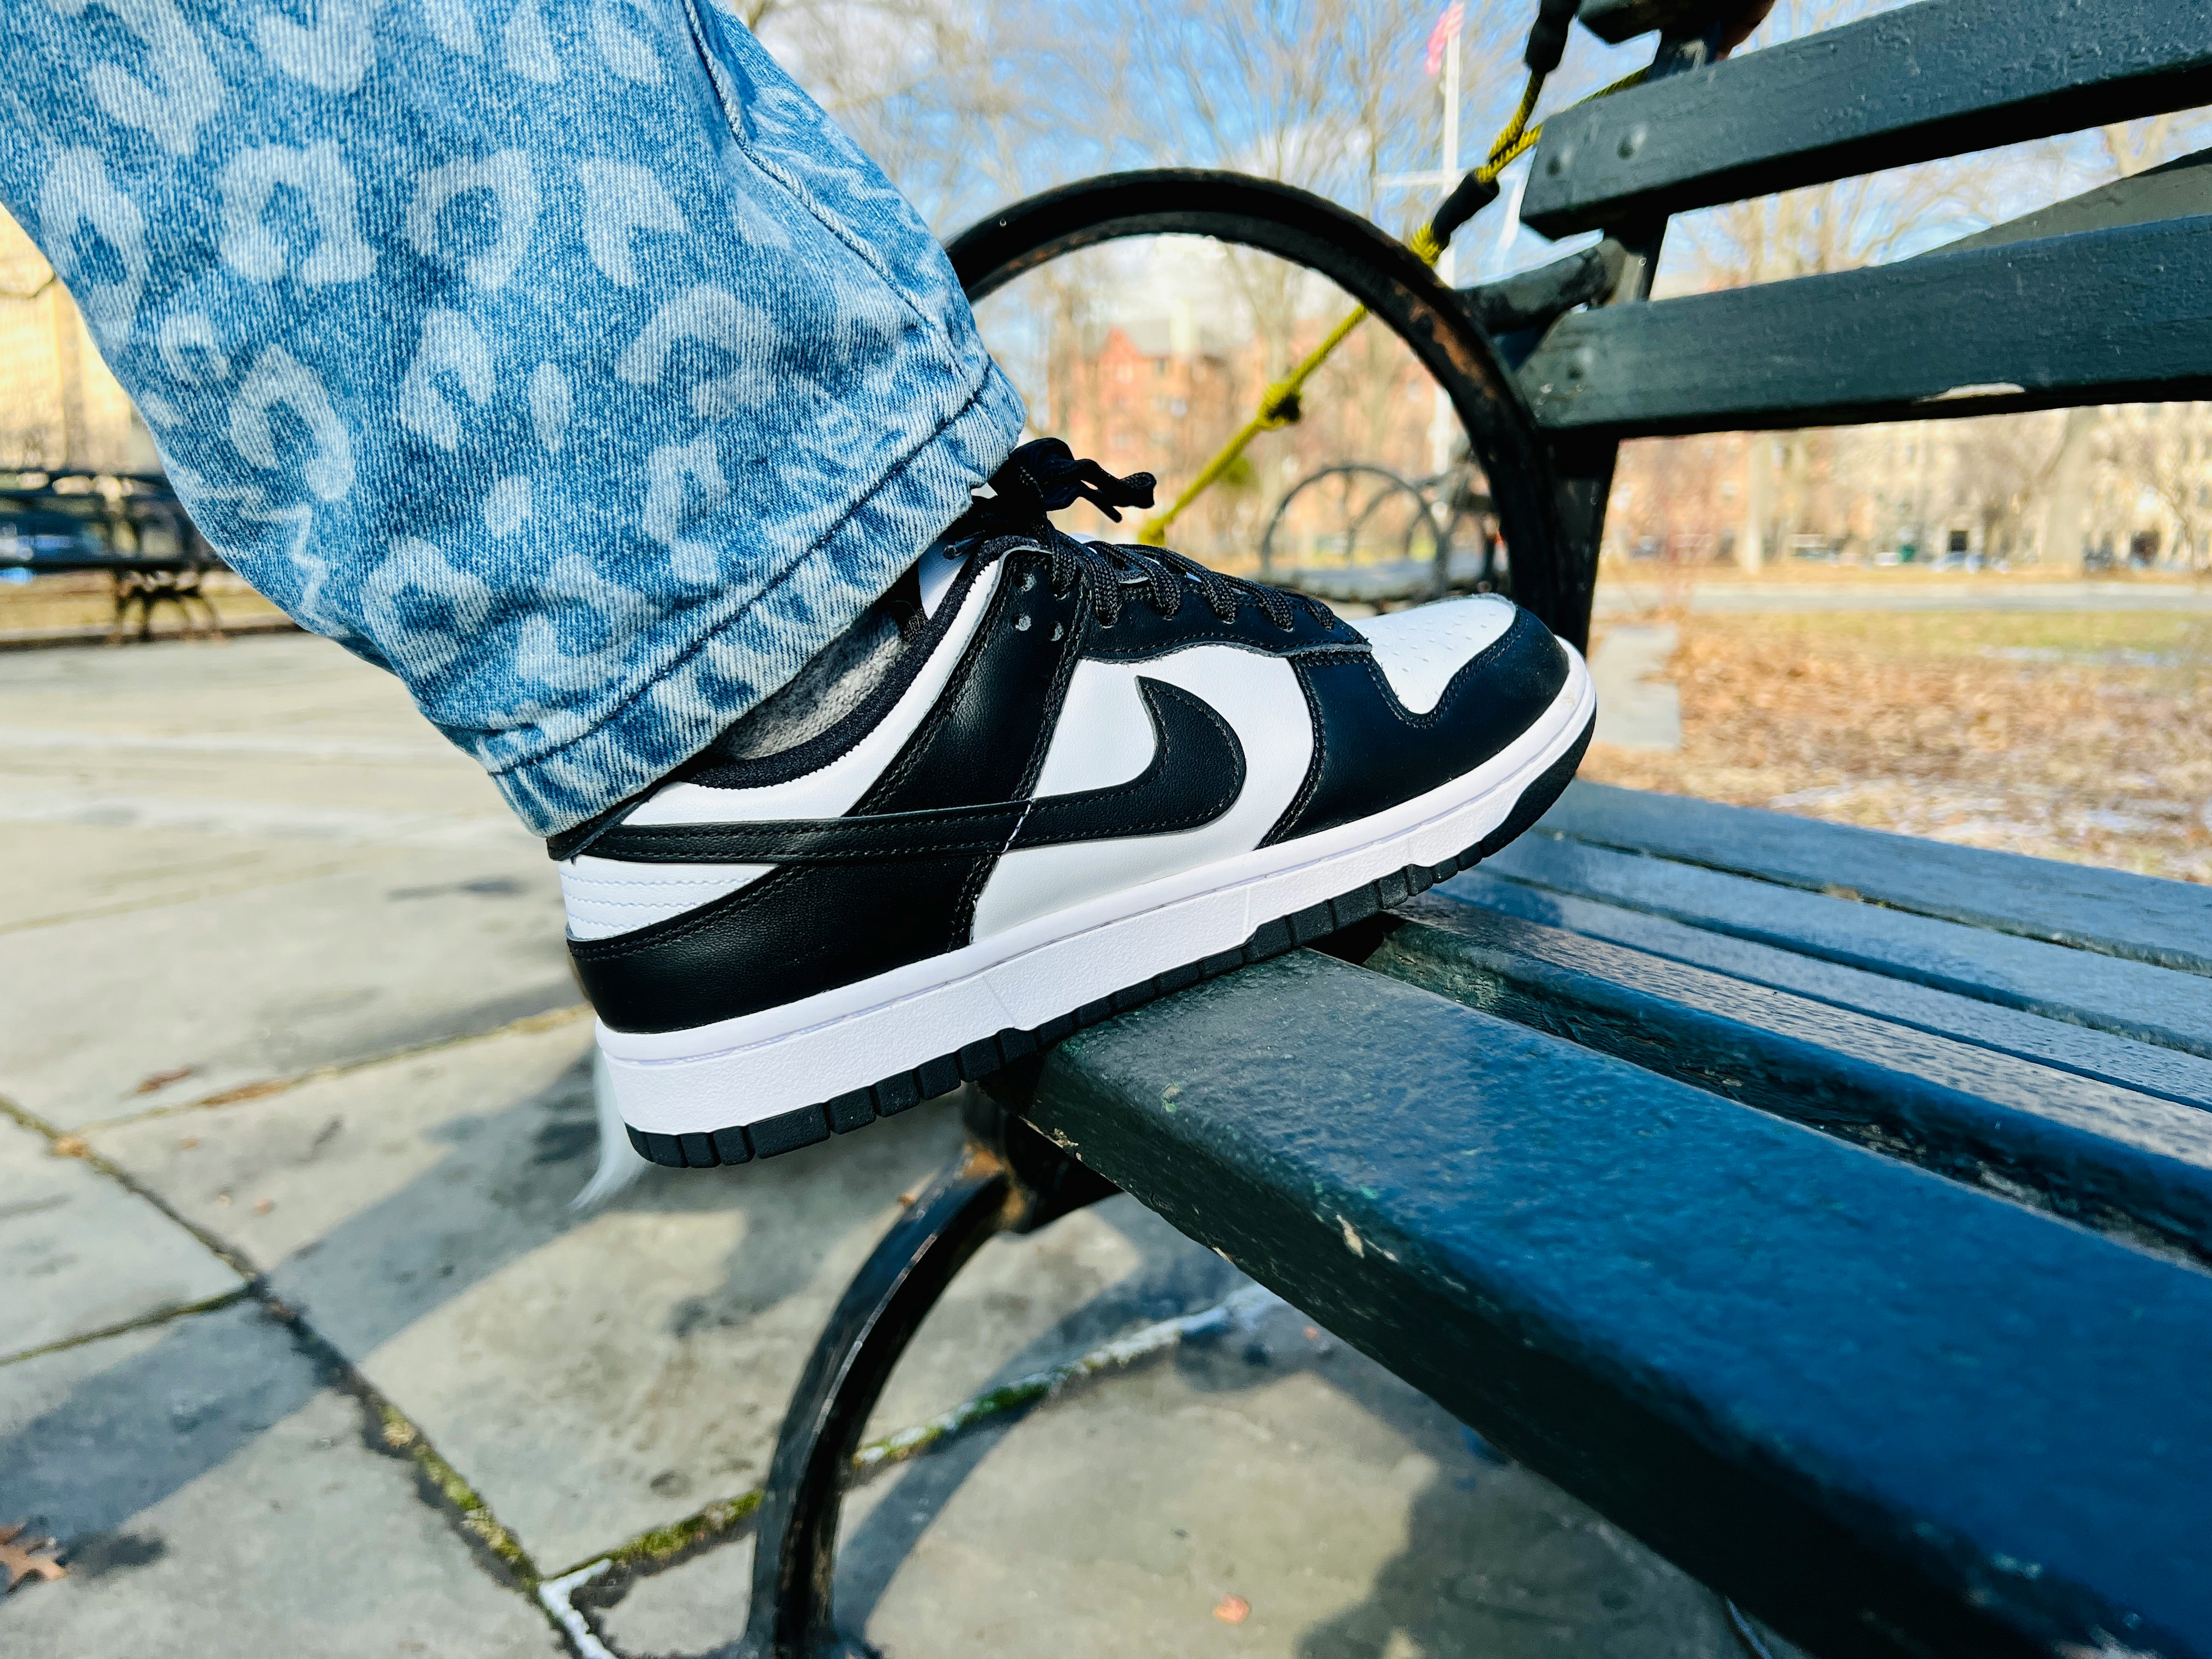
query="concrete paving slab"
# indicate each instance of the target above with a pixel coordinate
(278, 722)
(594, 1377)
(83, 1253)
(1350, 1515)
(88, 870)
(108, 1016)
(250, 861)
(1638, 707)
(216, 1496)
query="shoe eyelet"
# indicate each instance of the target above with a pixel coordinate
(1022, 623)
(1028, 580)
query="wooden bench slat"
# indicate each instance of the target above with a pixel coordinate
(2151, 1004)
(2108, 316)
(2105, 1156)
(1806, 1373)
(2166, 923)
(1936, 79)
(2146, 1067)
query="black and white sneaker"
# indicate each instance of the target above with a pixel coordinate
(1049, 780)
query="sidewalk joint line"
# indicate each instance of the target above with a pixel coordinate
(263, 1089)
(654, 1551)
(160, 1316)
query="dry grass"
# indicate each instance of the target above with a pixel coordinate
(2083, 737)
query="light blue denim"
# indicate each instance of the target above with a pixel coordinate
(560, 356)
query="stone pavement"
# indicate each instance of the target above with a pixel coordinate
(1638, 706)
(304, 1352)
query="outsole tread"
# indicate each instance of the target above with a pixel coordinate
(809, 1126)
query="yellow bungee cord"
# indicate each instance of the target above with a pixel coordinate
(1279, 404)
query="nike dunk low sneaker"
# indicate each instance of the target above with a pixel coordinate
(1047, 780)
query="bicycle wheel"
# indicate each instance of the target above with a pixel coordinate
(1368, 264)
(1389, 486)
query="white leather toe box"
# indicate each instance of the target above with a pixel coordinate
(1419, 650)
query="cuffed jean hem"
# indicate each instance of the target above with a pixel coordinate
(730, 667)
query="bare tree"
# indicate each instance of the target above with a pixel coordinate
(1328, 94)
(1839, 225)
(2129, 148)
(2169, 458)
(964, 105)
(2004, 463)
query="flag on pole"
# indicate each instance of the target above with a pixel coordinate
(1446, 31)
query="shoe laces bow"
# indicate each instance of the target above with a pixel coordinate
(1044, 476)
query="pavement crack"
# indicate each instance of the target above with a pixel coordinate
(160, 1316)
(77, 1148)
(602, 1580)
(263, 1088)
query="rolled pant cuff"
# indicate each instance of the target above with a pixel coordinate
(730, 667)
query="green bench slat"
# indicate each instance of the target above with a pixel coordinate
(2107, 1156)
(2151, 1004)
(1887, 1412)
(2108, 316)
(2167, 923)
(2146, 1067)
(1936, 79)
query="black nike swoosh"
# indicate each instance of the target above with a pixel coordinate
(1196, 773)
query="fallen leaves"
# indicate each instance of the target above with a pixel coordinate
(70, 1146)
(32, 1559)
(1232, 1610)
(2085, 736)
(160, 1080)
(248, 1091)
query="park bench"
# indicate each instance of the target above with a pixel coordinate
(137, 535)
(1832, 1211)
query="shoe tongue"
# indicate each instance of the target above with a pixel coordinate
(936, 574)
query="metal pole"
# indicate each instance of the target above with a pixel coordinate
(1441, 421)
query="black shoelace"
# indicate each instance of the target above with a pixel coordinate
(1044, 476)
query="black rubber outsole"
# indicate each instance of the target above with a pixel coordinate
(809, 1126)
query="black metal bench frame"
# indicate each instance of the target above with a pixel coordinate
(138, 581)
(1548, 391)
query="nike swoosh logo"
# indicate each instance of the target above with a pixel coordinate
(1196, 773)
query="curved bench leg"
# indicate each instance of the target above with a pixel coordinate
(1007, 1178)
(795, 1552)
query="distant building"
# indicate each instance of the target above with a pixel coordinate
(2131, 483)
(1139, 383)
(60, 410)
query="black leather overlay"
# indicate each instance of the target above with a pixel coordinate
(716, 771)
(1370, 753)
(1138, 632)
(805, 927)
(1196, 773)
(799, 930)
(895, 880)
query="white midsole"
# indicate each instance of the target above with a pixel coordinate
(740, 1070)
